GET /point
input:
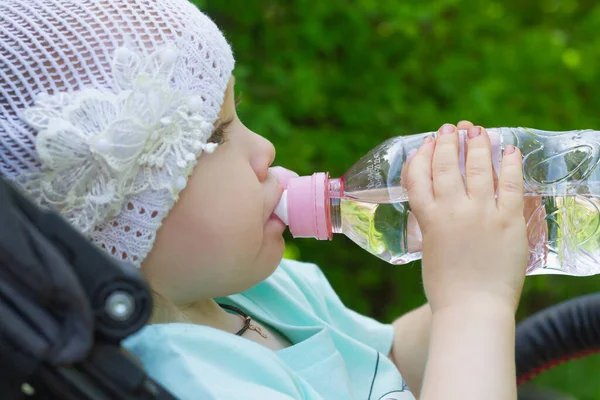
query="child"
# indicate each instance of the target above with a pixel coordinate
(121, 115)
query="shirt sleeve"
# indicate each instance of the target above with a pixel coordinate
(328, 306)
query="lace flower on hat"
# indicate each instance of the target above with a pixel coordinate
(97, 147)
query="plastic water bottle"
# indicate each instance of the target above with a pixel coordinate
(369, 204)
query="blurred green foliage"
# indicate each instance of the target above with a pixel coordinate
(326, 81)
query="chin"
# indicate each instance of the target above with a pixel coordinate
(276, 253)
(271, 256)
(260, 272)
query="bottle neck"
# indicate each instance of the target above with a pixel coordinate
(336, 189)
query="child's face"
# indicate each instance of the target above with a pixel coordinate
(221, 238)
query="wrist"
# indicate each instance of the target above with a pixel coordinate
(472, 339)
(477, 306)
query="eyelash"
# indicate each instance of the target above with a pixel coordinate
(219, 135)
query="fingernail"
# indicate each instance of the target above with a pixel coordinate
(447, 128)
(474, 131)
(428, 139)
(509, 149)
(411, 155)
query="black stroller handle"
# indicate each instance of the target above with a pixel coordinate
(65, 307)
(557, 334)
(98, 275)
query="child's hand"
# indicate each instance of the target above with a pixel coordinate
(474, 245)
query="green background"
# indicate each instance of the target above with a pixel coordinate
(326, 80)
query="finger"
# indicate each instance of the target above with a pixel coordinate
(447, 180)
(463, 146)
(510, 184)
(495, 143)
(479, 171)
(404, 173)
(418, 179)
(495, 176)
(464, 125)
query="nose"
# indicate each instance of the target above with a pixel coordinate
(262, 157)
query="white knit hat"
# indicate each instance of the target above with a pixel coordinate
(105, 106)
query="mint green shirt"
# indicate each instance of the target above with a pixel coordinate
(335, 353)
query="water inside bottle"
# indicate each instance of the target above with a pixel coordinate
(563, 231)
(381, 222)
(564, 234)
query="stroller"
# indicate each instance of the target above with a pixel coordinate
(65, 307)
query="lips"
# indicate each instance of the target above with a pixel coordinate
(283, 176)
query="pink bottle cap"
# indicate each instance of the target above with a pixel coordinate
(308, 206)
